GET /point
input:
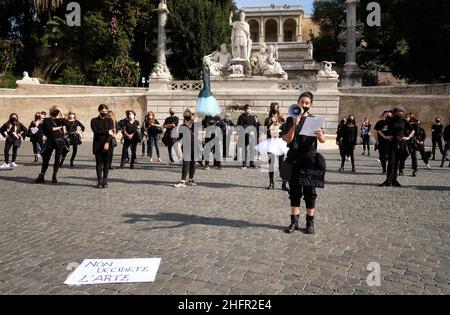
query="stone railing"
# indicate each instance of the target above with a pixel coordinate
(185, 85)
(297, 85)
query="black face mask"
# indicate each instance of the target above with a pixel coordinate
(305, 109)
(438, 121)
(171, 114)
(13, 119)
(103, 114)
(54, 114)
(187, 118)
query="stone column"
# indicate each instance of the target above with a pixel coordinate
(261, 30)
(160, 70)
(352, 76)
(299, 29)
(281, 31)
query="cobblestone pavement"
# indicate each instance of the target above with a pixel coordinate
(225, 236)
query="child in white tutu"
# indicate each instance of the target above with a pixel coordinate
(273, 146)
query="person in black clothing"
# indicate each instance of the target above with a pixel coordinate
(301, 154)
(170, 123)
(35, 135)
(227, 133)
(365, 135)
(131, 134)
(399, 131)
(72, 136)
(103, 129)
(348, 136)
(153, 129)
(216, 123)
(13, 130)
(381, 129)
(247, 120)
(53, 130)
(436, 137)
(342, 123)
(188, 149)
(447, 143)
(113, 142)
(421, 137)
(412, 146)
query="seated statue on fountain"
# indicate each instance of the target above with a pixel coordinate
(218, 62)
(264, 62)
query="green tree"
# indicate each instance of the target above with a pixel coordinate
(195, 29)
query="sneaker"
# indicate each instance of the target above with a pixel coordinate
(4, 166)
(191, 183)
(151, 160)
(206, 168)
(429, 166)
(159, 160)
(13, 164)
(378, 160)
(180, 184)
(243, 167)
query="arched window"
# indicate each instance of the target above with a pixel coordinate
(254, 30)
(290, 30)
(271, 30)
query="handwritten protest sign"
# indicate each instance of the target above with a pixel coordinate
(312, 177)
(96, 271)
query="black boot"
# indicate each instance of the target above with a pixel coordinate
(294, 224)
(414, 174)
(54, 179)
(99, 183)
(36, 159)
(40, 179)
(309, 225)
(105, 183)
(71, 164)
(284, 186)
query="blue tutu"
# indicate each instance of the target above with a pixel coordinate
(206, 102)
(208, 106)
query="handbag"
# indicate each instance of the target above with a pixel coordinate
(286, 169)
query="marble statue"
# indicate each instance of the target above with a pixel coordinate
(310, 50)
(240, 38)
(264, 62)
(161, 71)
(27, 80)
(218, 61)
(326, 70)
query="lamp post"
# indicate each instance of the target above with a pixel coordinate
(138, 75)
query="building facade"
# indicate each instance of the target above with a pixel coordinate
(289, 28)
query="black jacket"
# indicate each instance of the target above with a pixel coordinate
(101, 127)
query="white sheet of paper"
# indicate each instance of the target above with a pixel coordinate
(96, 271)
(34, 130)
(311, 125)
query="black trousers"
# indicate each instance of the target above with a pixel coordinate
(408, 151)
(437, 141)
(74, 154)
(47, 154)
(248, 151)
(384, 153)
(347, 151)
(446, 149)
(169, 148)
(366, 142)
(126, 145)
(423, 154)
(297, 191)
(188, 169)
(396, 151)
(102, 166)
(8, 146)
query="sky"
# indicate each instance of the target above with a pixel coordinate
(306, 4)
